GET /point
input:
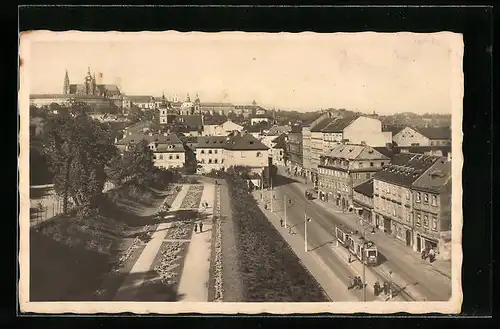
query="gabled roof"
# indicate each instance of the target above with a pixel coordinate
(278, 130)
(356, 152)
(280, 141)
(435, 132)
(387, 151)
(405, 168)
(393, 129)
(245, 143)
(211, 142)
(322, 124)
(338, 125)
(365, 188)
(168, 139)
(434, 178)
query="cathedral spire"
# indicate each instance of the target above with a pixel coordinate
(66, 83)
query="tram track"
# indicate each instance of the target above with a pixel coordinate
(406, 281)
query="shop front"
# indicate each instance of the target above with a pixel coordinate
(364, 213)
(424, 241)
(402, 233)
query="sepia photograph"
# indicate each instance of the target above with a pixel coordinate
(235, 172)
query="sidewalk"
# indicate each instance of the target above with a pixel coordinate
(138, 273)
(193, 284)
(333, 286)
(440, 266)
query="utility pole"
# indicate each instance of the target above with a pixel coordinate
(305, 231)
(284, 207)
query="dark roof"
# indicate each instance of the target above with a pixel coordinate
(405, 168)
(322, 124)
(393, 129)
(168, 139)
(434, 132)
(280, 141)
(140, 98)
(245, 143)
(435, 177)
(189, 121)
(211, 142)
(214, 120)
(445, 149)
(365, 188)
(388, 152)
(338, 125)
(309, 122)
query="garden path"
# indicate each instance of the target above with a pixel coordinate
(193, 284)
(138, 273)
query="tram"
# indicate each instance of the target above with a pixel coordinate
(364, 249)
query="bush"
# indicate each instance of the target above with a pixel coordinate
(271, 271)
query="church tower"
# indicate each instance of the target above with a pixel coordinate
(66, 84)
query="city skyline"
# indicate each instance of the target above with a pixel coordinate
(366, 72)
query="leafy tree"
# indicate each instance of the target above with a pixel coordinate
(136, 165)
(78, 149)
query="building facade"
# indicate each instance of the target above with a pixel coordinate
(429, 136)
(432, 209)
(363, 201)
(393, 197)
(343, 168)
(294, 151)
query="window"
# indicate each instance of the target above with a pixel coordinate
(426, 221)
(426, 198)
(434, 200)
(215, 151)
(209, 160)
(418, 219)
(170, 157)
(259, 154)
(407, 195)
(161, 156)
(371, 164)
(434, 223)
(215, 160)
(417, 197)
(394, 210)
(202, 151)
(222, 161)
(382, 164)
(177, 156)
(209, 151)
(360, 164)
(408, 217)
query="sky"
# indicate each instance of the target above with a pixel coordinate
(385, 73)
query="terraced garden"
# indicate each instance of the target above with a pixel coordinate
(193, 197)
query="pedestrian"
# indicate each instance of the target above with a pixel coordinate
(195, 227)
(351, 283)
(424, 255)
(201, 227)
(432, 255)
(281, 222)
(386, 288)
(349, 259)
(376, 288)
(360, 282)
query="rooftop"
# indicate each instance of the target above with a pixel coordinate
(365, 188)
(338, 125)
(405, 168)
(322, 124)
(435, 132)
(245, 143)
(356, 152)
(435, 177)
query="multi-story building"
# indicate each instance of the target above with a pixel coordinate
(310, 156)
(210, 153)
(428, 136)
(392, 195)
(363, 201)
(143, 102)
(345, 167)
(432, 209)
(355, 130)
(168, 150)
(294, 151)
(222, 152)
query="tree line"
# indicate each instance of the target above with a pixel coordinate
(81, 156)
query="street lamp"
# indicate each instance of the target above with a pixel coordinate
(306, 219)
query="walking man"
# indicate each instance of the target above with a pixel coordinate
(349, 259)
(432, 255)
(281, 222)
(201, 227)
(195, 227)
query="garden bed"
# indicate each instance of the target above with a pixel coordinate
(193, 197)
(269, 269)
(215, 287)
(162, 281)
(180, 231)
